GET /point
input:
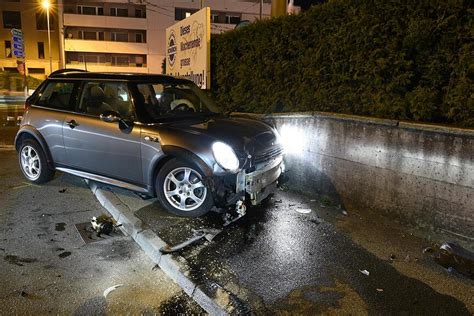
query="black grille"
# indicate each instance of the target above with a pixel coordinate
(268, 154)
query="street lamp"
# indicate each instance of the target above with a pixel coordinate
(46, 6)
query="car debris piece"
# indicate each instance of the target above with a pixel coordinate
(452, 255)
(198, 234)
(62, 190)
(364, 272)
(379, 290)
(345, 213)
(104, 224)
(303, 210)
(110, 289)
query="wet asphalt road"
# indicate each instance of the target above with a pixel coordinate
(46, 268)
(278, 260)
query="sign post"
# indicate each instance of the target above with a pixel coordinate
(188, 48)
(18, 51)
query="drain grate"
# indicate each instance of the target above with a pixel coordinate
(89, 235)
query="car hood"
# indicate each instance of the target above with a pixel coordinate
(242, 134)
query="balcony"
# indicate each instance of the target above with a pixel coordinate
(100, 21)
(77, 45)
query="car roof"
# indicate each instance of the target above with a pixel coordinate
(78, 74)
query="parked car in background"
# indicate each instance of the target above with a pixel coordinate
(157, 135)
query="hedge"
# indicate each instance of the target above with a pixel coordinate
(404, 60)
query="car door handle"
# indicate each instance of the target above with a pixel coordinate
(72, 123)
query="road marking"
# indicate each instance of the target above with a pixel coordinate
(25, 184)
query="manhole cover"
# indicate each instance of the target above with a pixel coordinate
(89, 235)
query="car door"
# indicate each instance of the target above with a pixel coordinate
(104, 148)
(48, 111)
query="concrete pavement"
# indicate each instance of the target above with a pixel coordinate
(47, 268)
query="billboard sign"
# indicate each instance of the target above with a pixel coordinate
(17, 43)
(188, 48)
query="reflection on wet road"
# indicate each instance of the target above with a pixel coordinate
(277, 259)
(10, 116)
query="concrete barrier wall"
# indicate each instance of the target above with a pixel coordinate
(419, 174)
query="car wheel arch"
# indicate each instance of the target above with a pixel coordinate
(171, 152)
(30, 133)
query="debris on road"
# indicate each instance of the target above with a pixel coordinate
(428, 250)
(62, 190)
(452, 255)
(206, 233)
(379, 290)
(393, 257)
(110, 289)
(103, 224)
(345, 213)
(303, 210)
(365, 272)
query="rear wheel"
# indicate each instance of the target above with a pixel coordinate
(33, 163)
(181, 189)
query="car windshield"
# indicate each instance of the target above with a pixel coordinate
(170, 100)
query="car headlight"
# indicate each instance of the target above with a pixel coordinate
(225, 156)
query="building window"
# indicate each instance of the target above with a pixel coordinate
(120, 60)
(40, 50)
(232, 19)
(91, 35)
(11, 19)
(139, 38)
(214, 18)
(119, 37)
(37, 71)
(42, 21)
(139, 13)
(8, 49)
(90, 10)
(119, 12)
(181, 14)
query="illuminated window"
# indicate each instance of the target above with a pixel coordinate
(8, 49)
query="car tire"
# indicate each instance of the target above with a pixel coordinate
(178, 181)
(33, 162)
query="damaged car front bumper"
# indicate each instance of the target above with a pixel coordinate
(259, 182)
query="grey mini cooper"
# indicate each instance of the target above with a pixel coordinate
(157, 135)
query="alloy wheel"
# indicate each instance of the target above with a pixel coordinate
(30, 162)
(184, 189)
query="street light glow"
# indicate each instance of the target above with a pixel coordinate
(45, 4)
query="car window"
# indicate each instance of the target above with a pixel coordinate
(57, 95)
(163, 100)
(99, 97)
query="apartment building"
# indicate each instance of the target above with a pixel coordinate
(30, 17)
(129, 35)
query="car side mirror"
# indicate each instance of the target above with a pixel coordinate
(110, 117)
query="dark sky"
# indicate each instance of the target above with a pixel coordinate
(305, 4)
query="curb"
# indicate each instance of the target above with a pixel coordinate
(174, 266)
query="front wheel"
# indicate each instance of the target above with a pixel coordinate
(181, 189)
